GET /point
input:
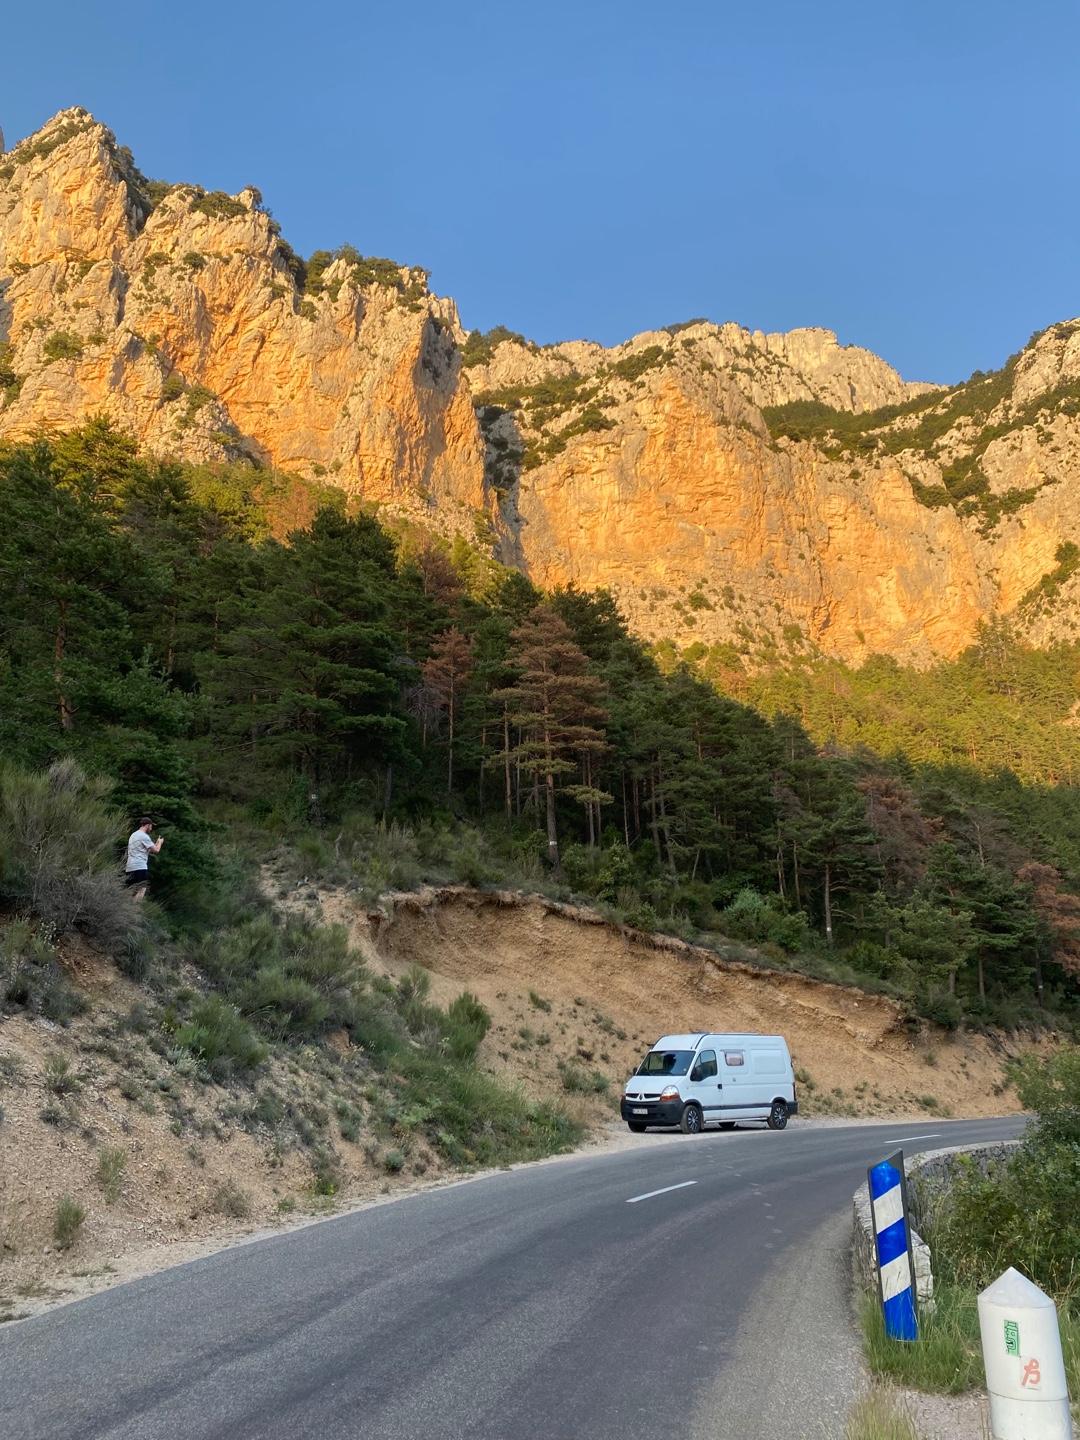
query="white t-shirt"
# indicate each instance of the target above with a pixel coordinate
(139, 847)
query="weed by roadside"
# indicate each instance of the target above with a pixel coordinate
(947, 1357)
(880, 1416)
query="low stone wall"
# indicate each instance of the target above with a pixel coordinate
(928, 1176)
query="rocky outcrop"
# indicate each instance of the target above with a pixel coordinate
(184, 317)
(737, 491)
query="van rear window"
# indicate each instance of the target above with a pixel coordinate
(666, 1062)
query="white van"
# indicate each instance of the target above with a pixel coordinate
(706, 1079)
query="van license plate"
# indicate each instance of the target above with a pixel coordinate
(642, 1111)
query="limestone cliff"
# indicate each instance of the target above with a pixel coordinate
(184, 317)
(731, 488)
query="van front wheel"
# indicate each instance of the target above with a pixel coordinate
(691, 1124)
(778, 1115)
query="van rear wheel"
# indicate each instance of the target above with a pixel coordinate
(691, 1123)
(778, 1115)
(636, 1127)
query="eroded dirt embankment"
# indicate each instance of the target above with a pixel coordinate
(858, 1052)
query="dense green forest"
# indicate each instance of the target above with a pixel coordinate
(240, 653)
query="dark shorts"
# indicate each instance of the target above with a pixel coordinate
(137, 877)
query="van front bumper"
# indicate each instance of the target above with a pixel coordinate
(651, 1112)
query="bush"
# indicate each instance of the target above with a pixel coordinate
(1024, 1211)
(58, 840)
(577, 1080)
(293, 980)
(112, 1162)
(60, 1079)
(466, 1024)
(32, 977)
(751, 916)
(67, 1223)
(63, 345)
(231, 1200)
(222, 1039)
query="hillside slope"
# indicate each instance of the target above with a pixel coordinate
(574, 1002)
(730, 487)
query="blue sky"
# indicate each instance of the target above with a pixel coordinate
(904, 174)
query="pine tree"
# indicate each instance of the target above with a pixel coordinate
(307, 673)
(446, 674)
(555, 704)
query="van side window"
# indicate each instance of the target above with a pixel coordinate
(706, 1064)
(734, 1058)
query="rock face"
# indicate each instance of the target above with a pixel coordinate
(184, 317)
(733, 489)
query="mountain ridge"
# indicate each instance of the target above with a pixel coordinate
(719, 481)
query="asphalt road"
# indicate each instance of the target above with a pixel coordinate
(564, 1301)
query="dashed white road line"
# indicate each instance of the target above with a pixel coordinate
(665, 1191)
(906, 1139)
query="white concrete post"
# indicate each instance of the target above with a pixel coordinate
(1025, 1372)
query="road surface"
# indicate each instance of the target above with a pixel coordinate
(674, 1289)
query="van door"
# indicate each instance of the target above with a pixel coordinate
(735, 1078)
(703, 1085)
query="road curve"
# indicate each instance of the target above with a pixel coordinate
(537, 1302)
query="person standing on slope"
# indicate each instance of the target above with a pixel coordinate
(139, 849)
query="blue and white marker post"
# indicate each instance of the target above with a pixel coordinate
(892, 1233)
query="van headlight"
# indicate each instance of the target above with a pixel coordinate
(670, 1092)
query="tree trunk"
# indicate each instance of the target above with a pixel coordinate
(828, 904)
(506, 768)
(982, 979)
(450, 743)
(552, 832)
(625, 816)
(795, 866)
(63, 700)
(780, 862)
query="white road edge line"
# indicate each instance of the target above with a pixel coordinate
(904, 1139)
(666, 1190)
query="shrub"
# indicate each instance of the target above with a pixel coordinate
(1024, 1211)
(32, 977)
(220, 1036)
(577, 1080)
(112, 1162)
(172, 388)
(57, 852)
(218, 205)
(466, 1024)
(230, 1199)
(393, 1161)
(751, 916)
(60, 1079)
(67, 1223)
(63, 345)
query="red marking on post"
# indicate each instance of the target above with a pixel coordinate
(1031, 1374)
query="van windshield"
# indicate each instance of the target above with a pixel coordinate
(666, 1062)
